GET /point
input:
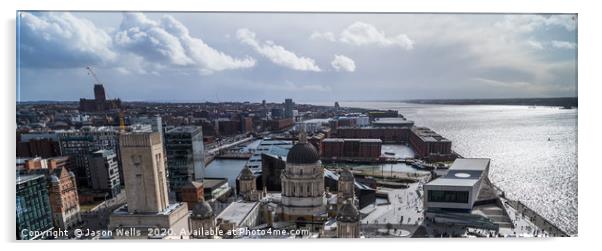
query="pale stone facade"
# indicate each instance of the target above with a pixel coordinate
(345, 188)
(247, 186)
(202, 220)
(144, 172)
(64, 200)
(147, 206)
(303, 198)
(348, 221)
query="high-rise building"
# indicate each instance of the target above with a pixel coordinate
(79, 145)
(185, 156)
(34, 217)
(276, 113)
(147, 205)
(104, 172)
(144, 172)
(156, 123)
(289, 106)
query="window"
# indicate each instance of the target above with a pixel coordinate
(448, 196)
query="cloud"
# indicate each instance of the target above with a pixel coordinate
(343, 63)
(276, 53)
(535, 44)
(563, 45)
(329, 36)
(61, 40)
(360, 33)
(290, 86)
(529, 23)
(169, 42)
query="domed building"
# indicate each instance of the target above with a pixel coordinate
(201, 218)
(348, 221)
(303, 199)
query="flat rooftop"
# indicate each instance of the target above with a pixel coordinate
(463, 172)
(346, 139)
(477, 164)
(210, 183)
(184, 129)
(27, 177)
(445, 181)
(237, 211)
(385, 121)
(315, 121)
(428, 135)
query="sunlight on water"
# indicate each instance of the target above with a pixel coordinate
(533, 150)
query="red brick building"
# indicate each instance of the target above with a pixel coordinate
(280, 124)
(386, 134)
(44, 148)
(429, 145)
(62, 188)
(192, 193)
(228, 127)
(351, 148)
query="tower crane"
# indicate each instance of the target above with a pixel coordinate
(91, 73)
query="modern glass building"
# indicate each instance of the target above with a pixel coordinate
(34, 216)
(185, 155)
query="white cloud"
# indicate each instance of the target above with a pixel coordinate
(343, 63)
(360, 33)
(169, 42)
(276, 53)
(564, 44)
(535, 44)
(53, 39)
(528, 23)
(329, 36)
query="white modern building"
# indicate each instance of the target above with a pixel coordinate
(459, 188)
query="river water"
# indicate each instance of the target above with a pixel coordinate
(533, 151)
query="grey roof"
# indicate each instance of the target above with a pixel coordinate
(202, 210)
(463, 172)
(444, 181)
(303, 153)
(477, 164)
(193, 184)
(246, 174)
(348, 213)
(346, 175)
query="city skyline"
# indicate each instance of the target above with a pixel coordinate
(190, 56)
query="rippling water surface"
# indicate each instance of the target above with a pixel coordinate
(533, 150)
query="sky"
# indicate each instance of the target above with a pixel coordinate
(191, 56)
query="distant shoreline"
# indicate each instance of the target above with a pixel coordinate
(567, 102)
